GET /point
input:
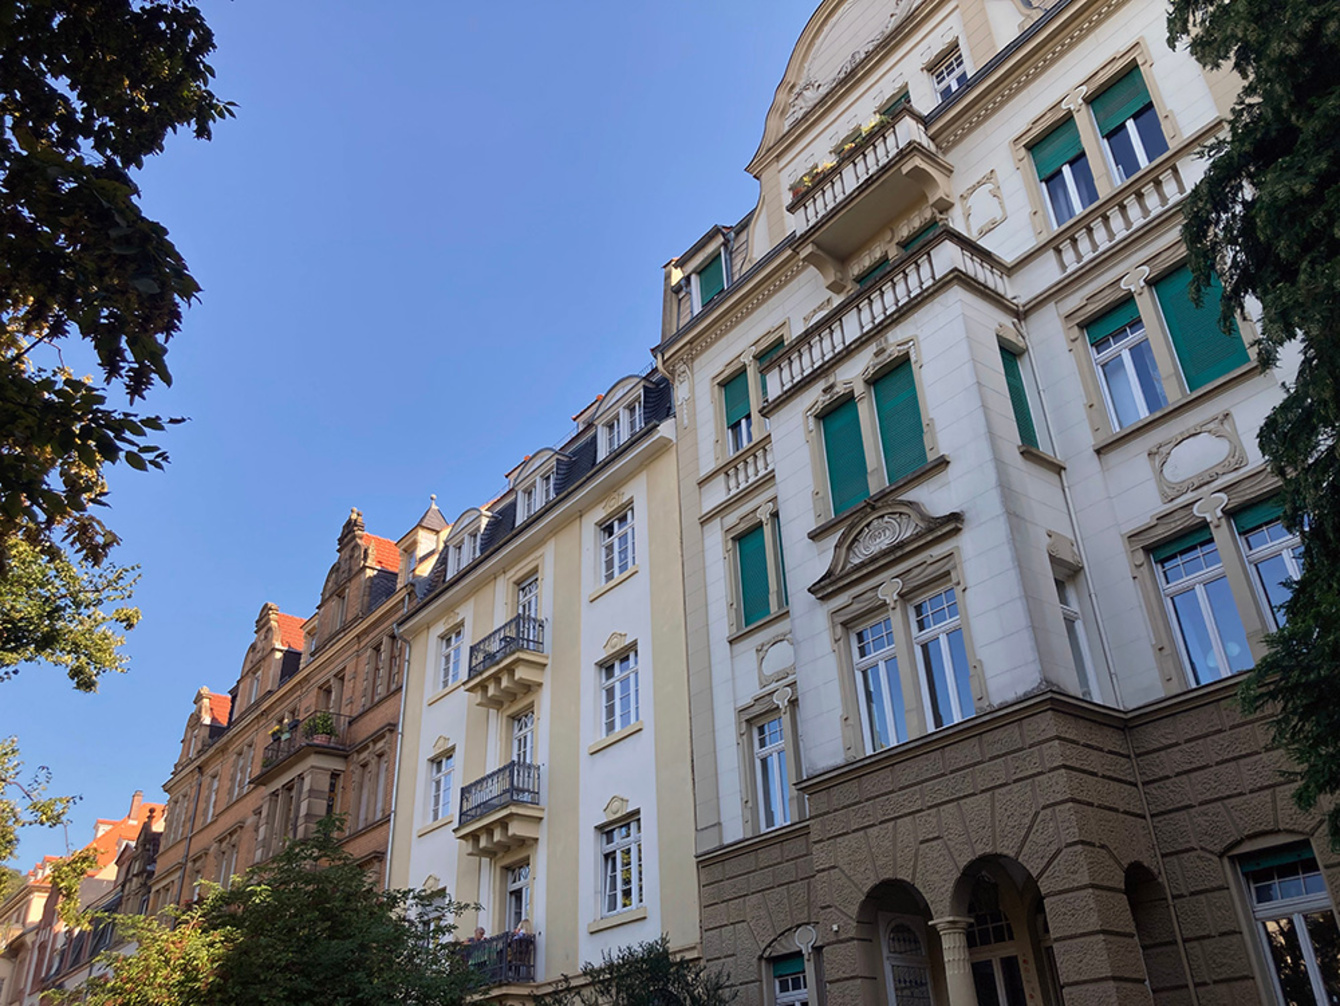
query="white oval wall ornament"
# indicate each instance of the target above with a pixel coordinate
(1194, 455)
(1197, 456)
(777, 660)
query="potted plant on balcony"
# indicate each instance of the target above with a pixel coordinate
(320, 727)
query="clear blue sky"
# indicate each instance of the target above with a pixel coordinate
(427, 239)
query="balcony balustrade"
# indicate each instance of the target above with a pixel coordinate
(319, 730)
(508, 663)
(505, 959)
(501, 810)
(755, 463)
(1141, 200)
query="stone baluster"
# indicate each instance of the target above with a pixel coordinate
(953, 932)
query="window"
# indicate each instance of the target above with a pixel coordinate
(1129, 125)
(996, 972)
(537, 494)
(621, 850)
(789, 985)
(949, 74)
(844, 455)
(523, 738)
(752, 556)
(617, 554)
(1200, 604)
(518, 896)
(1074, 630)
(739, 419)
(899, 416)
(626, 422)
(450, 646)
(472, 546)
(908, 971)
(944, 659)
(873, 273)
(1275, 555)
(1014, 381)
(456, 559)
(770, 777)
(709, 282)
(213, 795)
(1132, 386)
(528, 598)
(1295, 922)
(1203, 351)
(1063, 169)
(527, 502)
(879, 689)
(619, 693)
(764, 358)
(254, 689)
(920, 237)
(441, 772)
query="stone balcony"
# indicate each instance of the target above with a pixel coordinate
(501, 811)
(508, 663)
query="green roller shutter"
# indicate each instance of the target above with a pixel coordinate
(1014, 380)
(794, 964)
(1203, 350)
(1168, 549)
(845, 456)
(1115, 320)
(921, 236)
(1252, 517)
(873, 273)
(1056, 149)
(736, 393)
(899, 415)
(752, 551)
(1120, 101)
(1297, 852)
(711, 280)
(766, 357)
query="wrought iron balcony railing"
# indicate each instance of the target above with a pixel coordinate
(319, 729)
(504, 959)
(519, 633)
(515, 782)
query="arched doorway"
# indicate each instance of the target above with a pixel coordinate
(901, 949)
(1007, 935)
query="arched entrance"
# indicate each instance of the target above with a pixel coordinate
(901, 950)
(1007, 935)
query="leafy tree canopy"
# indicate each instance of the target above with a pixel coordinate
(88, 90)
(23, 799)
(1266, 217)
(642, 974)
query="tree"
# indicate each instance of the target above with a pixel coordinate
(24, 802)
(1266, 218)
(88, 90)
(643, 974)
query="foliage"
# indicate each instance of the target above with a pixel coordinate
(171, 966)
(10, 880)
(1266, 217)
(65, 876)
(25, 802)
(88, 89)
(319, 723)
(643, 974)
(53, 609)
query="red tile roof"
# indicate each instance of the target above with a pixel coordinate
(290, 631)
(108, 844)
(383, 551)
(219, 707)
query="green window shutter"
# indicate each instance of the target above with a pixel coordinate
(921, 236)
(1254, 516)
(752, 552)
(873, 273)
(781, 560)
(736, 393)
(1170, 548)
(792, 964)
(1115, 320)
(896, 103)
(1014, 380)
(900, 428)
(1120, 101)
(766, 357)
(1296, 852)
(1203, 350)
(1056, 149)
(711, 280)
(844, 453)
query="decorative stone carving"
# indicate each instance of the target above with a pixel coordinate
(617, 807)
(831, 391)
(878, 534)
(431, 882)
(1074, 101)
(1134, 281)
(884, 352)
(617, 641)
(983, 205)
(782, 698)
(776, 658)
(613, 501)
(806, 937)
(1063, 551)
(1197, 456)
(819, 308)
(683, 392)
(890, 591)
(441, 744)
(1211, 507)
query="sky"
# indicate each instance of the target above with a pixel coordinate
(426, 241)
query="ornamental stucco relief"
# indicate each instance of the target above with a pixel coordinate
(1197, 456)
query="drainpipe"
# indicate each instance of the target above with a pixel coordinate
(190, 831)
(399, 738)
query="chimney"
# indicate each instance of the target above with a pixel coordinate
(135, 802)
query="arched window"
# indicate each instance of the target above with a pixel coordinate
(991, 947)
(908, 971)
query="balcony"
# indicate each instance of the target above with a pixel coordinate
(1148, 195)
(753, 464)
(892, 171)
(508, 663)
(505, 959)
(914, 277)
(317, 733)
(502, 810)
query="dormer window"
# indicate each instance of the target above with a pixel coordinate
(708, 282)
(536, 495)
(471, 546)
(950, 74)
(618, 430)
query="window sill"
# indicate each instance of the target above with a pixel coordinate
(605, 588)
(439, 696)
(1041, 458)
(615, 737)
(762, 623)
(1154, 420)
(610, 921)
(438, 825)
(931, 468)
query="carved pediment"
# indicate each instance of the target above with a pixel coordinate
(877, 535)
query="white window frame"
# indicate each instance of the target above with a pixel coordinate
(740, 434)
(450, 645)
(1196, 582)
(620, 850)
(1075, 636)
(441, 779)
(528, 597)
(938, 635)
(1068, 176)
(1296, 909)
(471, 547)
(1286, 546)
(619, 429)
(771, 781)
(618, 546)
(518, 895)
(790, 990)
(949, 75)
(1123, 349)
(876, 660)
(523, 737)
(619, 693)
(527, 501)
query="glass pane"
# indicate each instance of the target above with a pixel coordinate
(1196, 638)
(958, 653)
(1078, 656)
(893, 683)
(984, 978)
(1229, 623)
(937, 684)
(1059, 197)
(1273, 572)
(1014, 982)
(1290, 966)
(1147, 373)
(1123, 153)
(1325, 938)
(880, 736)
(1119, 390)
(1079, 171)
(1151, 135)
(767, 782)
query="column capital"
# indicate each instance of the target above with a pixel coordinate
(952, 924)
